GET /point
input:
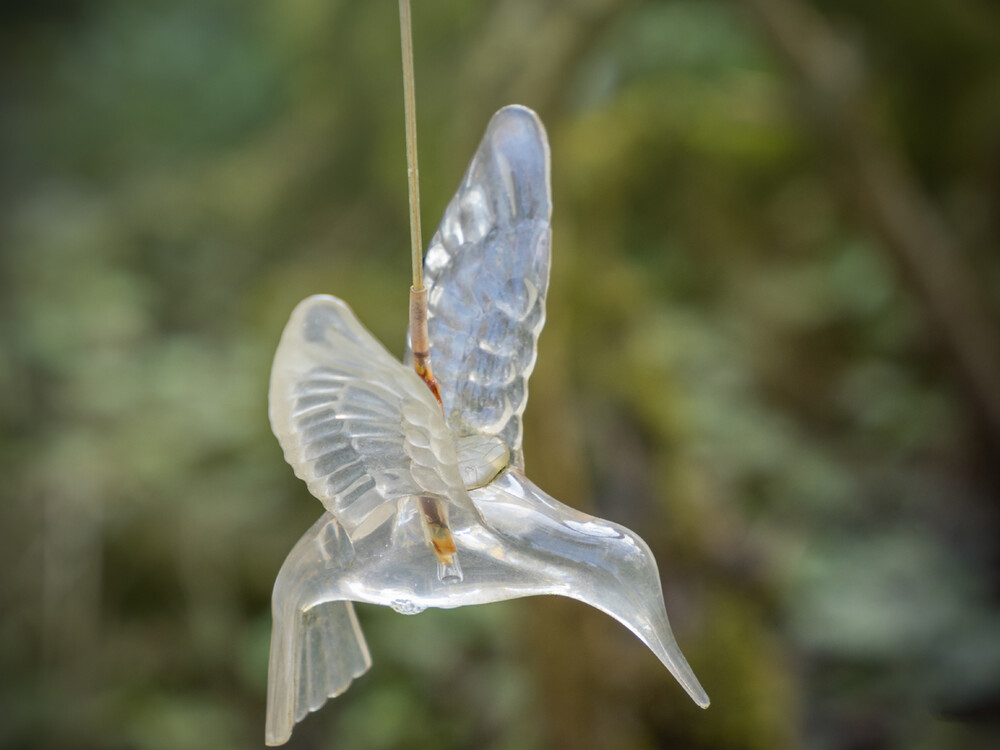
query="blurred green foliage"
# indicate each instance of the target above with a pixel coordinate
(732, 366)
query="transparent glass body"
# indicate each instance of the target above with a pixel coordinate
(395, 472)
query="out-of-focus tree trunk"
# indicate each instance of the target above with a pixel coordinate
(873, 176)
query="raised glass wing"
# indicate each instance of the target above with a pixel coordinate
(358, 427)
(487, 269)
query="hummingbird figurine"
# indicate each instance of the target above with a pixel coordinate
(426, 502)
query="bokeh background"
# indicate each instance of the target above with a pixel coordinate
(771, 349)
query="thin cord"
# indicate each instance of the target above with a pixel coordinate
(432, 511)
(410, 105)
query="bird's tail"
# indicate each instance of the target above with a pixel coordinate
(315, 655)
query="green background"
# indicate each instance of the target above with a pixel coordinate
(742, 362)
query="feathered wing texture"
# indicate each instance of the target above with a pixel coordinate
(358, 427)
(317, 648)
(487, 269)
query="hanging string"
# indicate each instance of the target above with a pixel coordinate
(419, 337)
(410, 106)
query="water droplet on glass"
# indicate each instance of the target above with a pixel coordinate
(406, 607)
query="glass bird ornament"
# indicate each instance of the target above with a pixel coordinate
(428, 507)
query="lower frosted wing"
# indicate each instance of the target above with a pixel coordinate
(361, 429)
